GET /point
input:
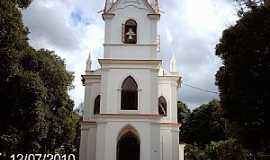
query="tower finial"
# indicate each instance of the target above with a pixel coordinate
(173, 64)
(88, 62)
(107, 5)
(154, 4)
(157, 6)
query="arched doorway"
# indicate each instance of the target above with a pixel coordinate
(128, 147)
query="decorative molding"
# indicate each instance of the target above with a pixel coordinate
(139, 116)
(170, 124)
(118, 6)
(90, 79)
(129, 61)
(176, 79)
(155, 16)
(86, 125)
(129, 45)
(106, 16)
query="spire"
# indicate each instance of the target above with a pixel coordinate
(161, 72)
(157, 6)
(107, 5)
(154, 4)
(88, 63)
(173, 64)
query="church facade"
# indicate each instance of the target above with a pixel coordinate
(130, 103)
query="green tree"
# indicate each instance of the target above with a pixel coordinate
(72, 146)
(247, 5)
(244, 79)
(193, 152)
(182, 111)
(36, 113)
(230, 149)
(204, 125)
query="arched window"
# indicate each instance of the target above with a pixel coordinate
(162, 106)
(97, 105)
(129, 94)
(130, 32)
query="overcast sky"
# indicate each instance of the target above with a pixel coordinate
(188, 28)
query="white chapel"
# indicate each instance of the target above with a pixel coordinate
(131, 101)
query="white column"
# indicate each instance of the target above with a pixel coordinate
(181, 151)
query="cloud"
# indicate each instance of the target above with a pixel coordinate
(189, 28)
(72, 29)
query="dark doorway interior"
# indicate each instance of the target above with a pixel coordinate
(128, 147)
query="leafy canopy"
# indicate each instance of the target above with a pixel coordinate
(36, 113)
(183, 112)
(244, 78)
(204, 125)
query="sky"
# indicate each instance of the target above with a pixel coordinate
(188, 28)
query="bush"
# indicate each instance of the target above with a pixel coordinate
(230, 149)
(226, 150)
(193, 152)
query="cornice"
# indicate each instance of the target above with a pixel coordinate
(129, 116)
(130, 45)
(106, 16)
(129, 61)
(89, 79)
(170, 124)
(155, 16)
(176, 79)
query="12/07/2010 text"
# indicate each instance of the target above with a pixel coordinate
(42, 157)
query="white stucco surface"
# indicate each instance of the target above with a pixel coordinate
(158, 135)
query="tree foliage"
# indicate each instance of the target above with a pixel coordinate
(36, 113)
(247, 5)
(182, 111)
(244, 79)
(204, 125)
(223, 150)
(229, 149)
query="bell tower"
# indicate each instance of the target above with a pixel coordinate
(130, 105)
(130, 25)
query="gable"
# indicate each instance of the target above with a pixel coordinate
(122, 4)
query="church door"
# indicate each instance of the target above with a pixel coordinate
(128, 147)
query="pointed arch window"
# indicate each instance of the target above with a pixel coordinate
(129, 94)
(130, 32)
(97, 105)
(162, 106)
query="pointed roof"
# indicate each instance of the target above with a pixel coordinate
(173, 67)
(153, 4)
(88, 62)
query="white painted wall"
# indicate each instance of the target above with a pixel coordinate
(146, 31)
(181, 151)
(108, 134)
(112, 80)
(100, 133)
(92, 90)
(88, 141)
(167, 88)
